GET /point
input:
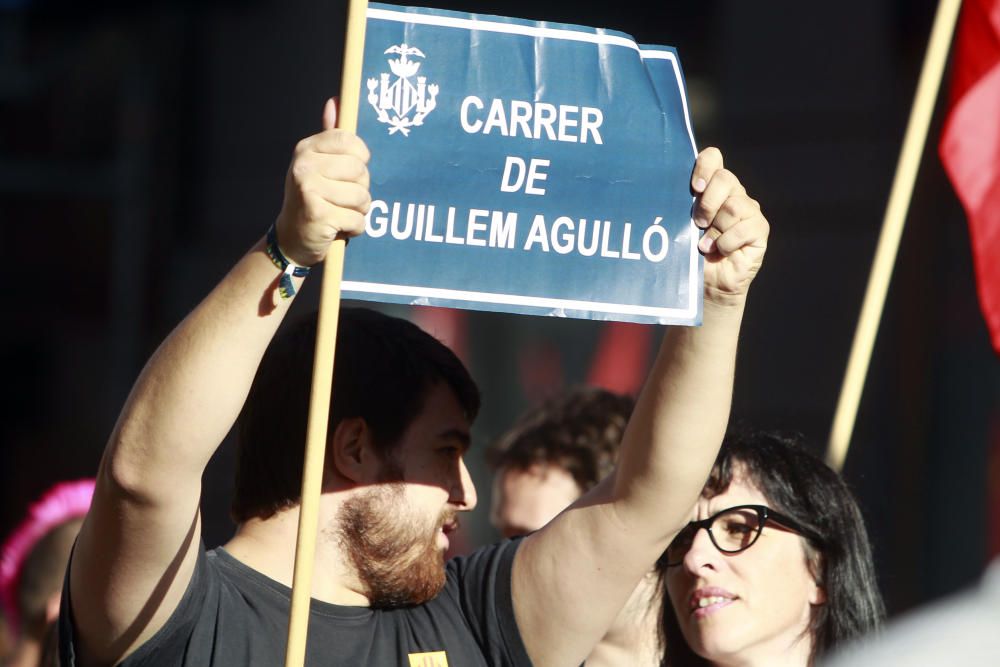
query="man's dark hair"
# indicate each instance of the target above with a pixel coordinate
(385, 367)
(798, 484)
(579, 431)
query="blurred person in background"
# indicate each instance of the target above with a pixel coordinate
(550, 457)
(5, 640)
(775, 567)
(553, 455)
(32, 567)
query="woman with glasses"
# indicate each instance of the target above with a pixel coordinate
(774, 569)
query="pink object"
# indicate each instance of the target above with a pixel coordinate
(63, 502)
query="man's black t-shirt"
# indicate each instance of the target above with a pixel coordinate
(234, 615)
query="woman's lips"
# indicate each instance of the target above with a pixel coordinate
(706, 601)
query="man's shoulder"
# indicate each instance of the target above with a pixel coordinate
(478, 587)
(229, 615)
(199, 602)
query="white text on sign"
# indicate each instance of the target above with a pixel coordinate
(499, 229)
(532, 120)
(515, 169)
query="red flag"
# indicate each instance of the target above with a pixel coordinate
(622, 357)
(970, 145)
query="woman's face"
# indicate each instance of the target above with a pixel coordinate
(756, 602)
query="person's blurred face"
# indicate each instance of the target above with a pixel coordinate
(396, 531)
(750, 607)
(526, 500)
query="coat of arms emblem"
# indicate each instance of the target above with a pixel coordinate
(395, 100)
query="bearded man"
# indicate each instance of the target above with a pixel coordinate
(142, 590)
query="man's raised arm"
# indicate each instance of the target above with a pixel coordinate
(571, 578)
(137, 549)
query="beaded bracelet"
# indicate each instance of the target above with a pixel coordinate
(288, 269)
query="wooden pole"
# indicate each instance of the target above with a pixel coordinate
(892, 230)
(322, 380)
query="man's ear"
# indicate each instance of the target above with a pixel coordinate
(352, 452)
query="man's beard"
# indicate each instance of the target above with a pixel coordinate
(398, 560)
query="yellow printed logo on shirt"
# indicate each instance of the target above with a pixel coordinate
(433, 659)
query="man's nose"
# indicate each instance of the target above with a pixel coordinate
(464, 492)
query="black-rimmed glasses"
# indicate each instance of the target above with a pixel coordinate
(732, 530)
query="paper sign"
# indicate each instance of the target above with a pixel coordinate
(525, 167)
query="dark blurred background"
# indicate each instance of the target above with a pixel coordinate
(143, 147)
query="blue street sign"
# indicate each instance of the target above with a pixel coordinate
(525, 167)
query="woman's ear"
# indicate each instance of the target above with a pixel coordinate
(814, 562)
(818, 595)
(351, 452)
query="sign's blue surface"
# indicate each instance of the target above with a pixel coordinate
(525, 167)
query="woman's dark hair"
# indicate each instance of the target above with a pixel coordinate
(385, 367)
(798, 484)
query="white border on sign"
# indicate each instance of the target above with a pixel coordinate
(521, 300)
(507, 299)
